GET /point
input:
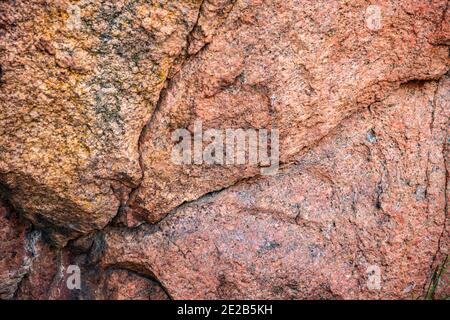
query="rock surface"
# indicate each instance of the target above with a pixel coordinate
(79, 82)
(15, 261)
(298, 66)
(125, 285)
(371, 196)
(29, 268)
(92, 91)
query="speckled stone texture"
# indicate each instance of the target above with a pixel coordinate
(125, 285)
(92, 90)
(15, 261)
(29, 267)
(299, 66)
(74, 99)
(372, 193)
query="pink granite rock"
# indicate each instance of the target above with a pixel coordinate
(15, 262)
(125, 285)
(368, 201)
(92, 92)
(298, 66)
(79, 82)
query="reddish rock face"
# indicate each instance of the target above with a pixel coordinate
(125, 285)
(29, 267)
(298, 66)
(15, 262)
(91, 94)
(368, 201)
(79, 82)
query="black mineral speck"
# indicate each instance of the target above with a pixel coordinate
(371, 137)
